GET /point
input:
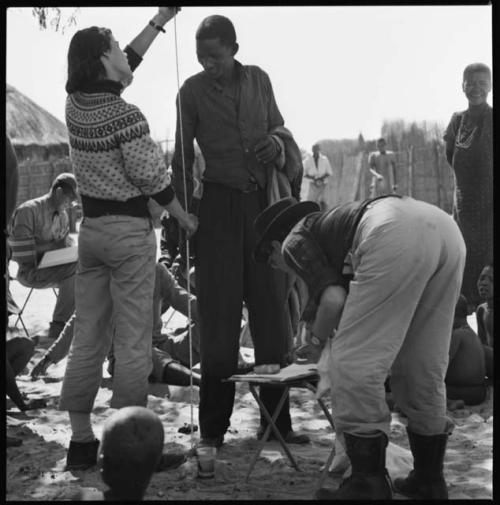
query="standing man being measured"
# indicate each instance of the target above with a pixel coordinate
(230, 110)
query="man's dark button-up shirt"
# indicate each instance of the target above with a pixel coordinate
(226, 130)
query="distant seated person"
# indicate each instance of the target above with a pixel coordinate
(170, 352)
(130, 451)
(465, 377)
(39, 225)
(18, 352)
(484, 316)
(171, 355)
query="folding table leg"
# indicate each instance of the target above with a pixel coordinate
(324, 473)
(321, 403)
(325, 410)
(271, 425)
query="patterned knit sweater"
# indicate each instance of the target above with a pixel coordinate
(116, 163)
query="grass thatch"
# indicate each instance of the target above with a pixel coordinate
(28, 124)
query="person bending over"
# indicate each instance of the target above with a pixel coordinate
(386, 275)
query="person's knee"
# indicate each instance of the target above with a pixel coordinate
(21, 346)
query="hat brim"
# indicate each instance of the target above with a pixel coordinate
(284, 221)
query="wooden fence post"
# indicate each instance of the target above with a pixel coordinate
(410, 171)
(438, 174)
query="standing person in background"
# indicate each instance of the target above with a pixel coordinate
(382, 166)
(469, 151)
(317, 169)
(230, 110)
(118, 167)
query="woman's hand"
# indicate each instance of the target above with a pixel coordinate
(190, 224)
(167, 13)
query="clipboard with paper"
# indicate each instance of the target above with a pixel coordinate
(59, 257)
(292, 372)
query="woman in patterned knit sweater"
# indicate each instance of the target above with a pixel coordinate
(118, 168)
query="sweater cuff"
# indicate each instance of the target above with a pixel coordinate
(165, 196)
(133, 58)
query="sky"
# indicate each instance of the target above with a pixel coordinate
(336, 71)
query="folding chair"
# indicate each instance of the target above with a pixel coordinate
(14, 309)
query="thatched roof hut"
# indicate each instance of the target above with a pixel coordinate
(34, 132)
(40, 141)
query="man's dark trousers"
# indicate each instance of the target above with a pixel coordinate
(226, 274)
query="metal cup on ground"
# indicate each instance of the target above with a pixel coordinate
(206, 461)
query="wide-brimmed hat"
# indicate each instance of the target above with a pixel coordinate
(276, 221)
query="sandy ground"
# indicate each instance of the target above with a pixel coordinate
(34, 470)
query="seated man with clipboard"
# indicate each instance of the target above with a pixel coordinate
(39, 240)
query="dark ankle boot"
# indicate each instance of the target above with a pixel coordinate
(81, 455)
(426, 480)
(369, 479)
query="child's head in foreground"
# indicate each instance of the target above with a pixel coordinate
(130, 450)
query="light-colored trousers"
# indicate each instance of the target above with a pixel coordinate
(61, 277)
(408, 258)
(318, 194)
(114, 281)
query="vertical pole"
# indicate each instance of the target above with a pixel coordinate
(410, 171)
(438, 174)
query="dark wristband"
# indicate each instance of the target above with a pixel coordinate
(156, 27)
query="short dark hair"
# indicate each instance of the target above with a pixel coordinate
(476, 67)
(85, 50)
(67, 182)
(461, 307)
(381, 139)
(217, 27)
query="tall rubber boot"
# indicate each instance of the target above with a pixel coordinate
(369, 479)
(426, 480)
